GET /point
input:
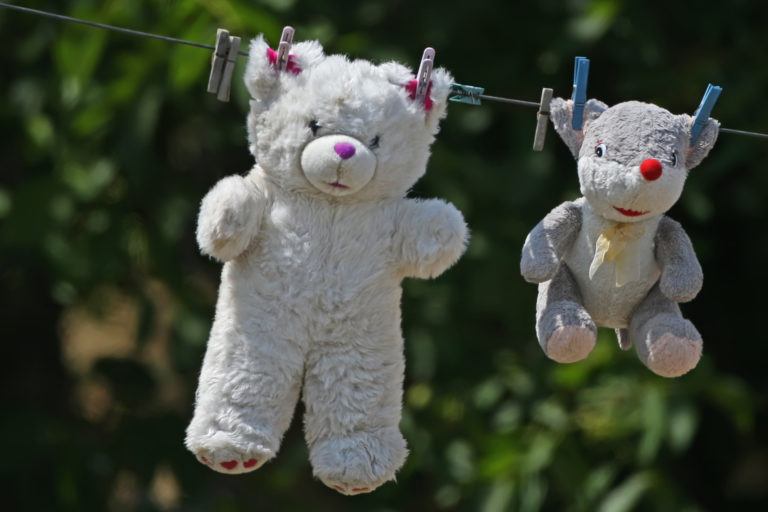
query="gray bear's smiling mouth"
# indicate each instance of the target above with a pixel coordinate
(629, 213)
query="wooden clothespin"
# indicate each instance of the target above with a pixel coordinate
(579, 96)
(702, 114)
(542, 119)
(223, 64)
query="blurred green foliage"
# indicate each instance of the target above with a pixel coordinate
(110, 141)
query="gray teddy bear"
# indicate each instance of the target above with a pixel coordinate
(612, 258)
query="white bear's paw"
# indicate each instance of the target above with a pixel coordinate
(360, 462)
(231, 454)
(673, 356)
(570, 343)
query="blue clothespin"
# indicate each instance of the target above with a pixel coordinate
(701, 116)
(468, 94)
(579, 96)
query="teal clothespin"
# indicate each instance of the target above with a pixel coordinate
(468, 94)
(701, 116)
(579, 96)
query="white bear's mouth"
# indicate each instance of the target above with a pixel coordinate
(630, 213)
(337, 184)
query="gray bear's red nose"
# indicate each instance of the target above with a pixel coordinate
(344, 150)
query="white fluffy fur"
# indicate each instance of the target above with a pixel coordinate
(310, 292)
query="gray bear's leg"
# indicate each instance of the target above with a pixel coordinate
(249, 386)
(353, 396)
(666, 342)
(564, 329)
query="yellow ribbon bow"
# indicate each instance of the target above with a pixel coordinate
(610, 247)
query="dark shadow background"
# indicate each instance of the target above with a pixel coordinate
(109, 142)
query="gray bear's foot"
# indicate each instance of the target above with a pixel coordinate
(570, 343)
(566, 332)
(231, 453)
(669, 345)
(360, 462)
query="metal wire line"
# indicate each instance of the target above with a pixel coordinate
(195, 44)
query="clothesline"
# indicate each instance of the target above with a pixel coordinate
(195, 44)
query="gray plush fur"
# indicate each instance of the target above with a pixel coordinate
(612, 258)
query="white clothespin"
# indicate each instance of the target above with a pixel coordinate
(283, 49)
(542, 119)
(424, 74)
(223, 64)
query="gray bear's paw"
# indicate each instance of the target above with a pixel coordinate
(231, 453)
(671, 346)
(673, 356)
(570, 343)
(360, 462)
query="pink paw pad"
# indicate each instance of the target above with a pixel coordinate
(250, 463)
(229, 464)
(361, 489)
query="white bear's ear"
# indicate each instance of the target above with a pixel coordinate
(435, 103)
(438, 92)
(561, 112)
(698, 150)
(261, 77)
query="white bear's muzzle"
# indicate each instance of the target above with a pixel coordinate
(337, 164)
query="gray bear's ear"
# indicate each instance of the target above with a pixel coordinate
(561, 112)
(698, 150)
(261, 78)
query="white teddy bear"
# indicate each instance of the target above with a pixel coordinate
(316, 240)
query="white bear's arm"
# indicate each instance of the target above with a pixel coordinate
(430, 236)
(549, 242)
(681, 274)
(230, 216)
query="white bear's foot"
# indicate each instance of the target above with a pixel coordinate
(670, 345)
(231, 453)
(360, 462)
(569, 344)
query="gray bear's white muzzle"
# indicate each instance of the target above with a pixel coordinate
(337, 164)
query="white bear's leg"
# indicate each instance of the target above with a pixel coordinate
(353, 398)
(564, 329)
(668, 344)
(249, 386)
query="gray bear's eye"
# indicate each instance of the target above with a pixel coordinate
(674, 159)
(314, 126)
(374, 142)
(601, 150)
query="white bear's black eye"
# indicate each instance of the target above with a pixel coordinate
(674, 159)
(374, 142)
(314, 126)
(601, 150)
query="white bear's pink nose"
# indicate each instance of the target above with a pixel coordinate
(651, 168)
(344, 149)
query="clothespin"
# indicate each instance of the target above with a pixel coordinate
(424, 74)
(283, 49)
(702, 114)
(542, 119)
(223, 64)
(468, 94)
(579, 96)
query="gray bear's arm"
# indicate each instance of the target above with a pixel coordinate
(681, 274)
(549, 242)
